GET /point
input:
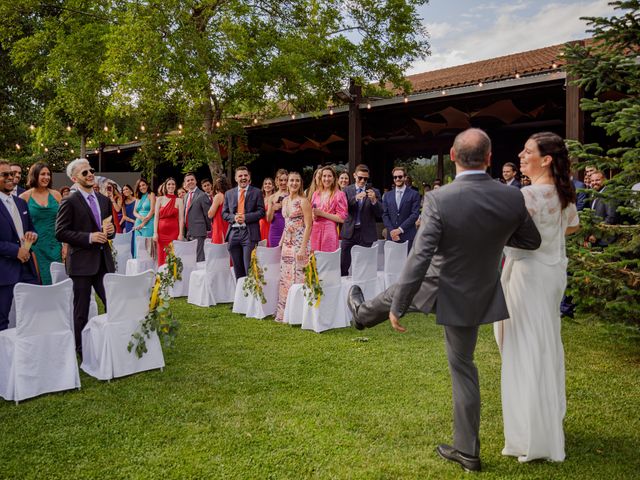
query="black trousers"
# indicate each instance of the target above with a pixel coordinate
(240, 248)
(82, 285)
(346, 246)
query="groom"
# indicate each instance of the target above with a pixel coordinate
(464, 227)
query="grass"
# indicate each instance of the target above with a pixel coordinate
(244, 398)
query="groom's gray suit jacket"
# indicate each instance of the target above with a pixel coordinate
(463, 229)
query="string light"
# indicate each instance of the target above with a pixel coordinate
(136, 137)
(118, 150)
(96, 151)
(46, 149)
(113, 139)
(105, 128)
(32, 127)
(217, 124)
(142, 128)
(369, 106)
(66, 144)
(255, 121)
(330, 110)
(18, 146)
(68, 127)
(554, 65)
(406, 99)
(480, 84)
(158, 134)
(293, 116)
(72, 151)
(159, 147)
(179, 126)
(517, 75)
(41, 144)
(444, 92)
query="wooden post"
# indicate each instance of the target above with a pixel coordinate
(574, 122)
(355, 126)
(100, 152)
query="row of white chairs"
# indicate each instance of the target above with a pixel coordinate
(38, 355)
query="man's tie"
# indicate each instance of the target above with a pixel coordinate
(15, 215)
(398, 198)
(94, 208)
(360, 203)
(241, 201)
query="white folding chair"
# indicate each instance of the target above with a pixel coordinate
(380, 245)
(395, 256)
(269, 260)
(106, 337)
(332, 312)
(143, 260)
(39, 355)
(215, 284)
(364, 272)
(187, 252)
(122, 244)
(59, 274)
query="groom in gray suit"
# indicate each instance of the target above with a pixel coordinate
(464, 227)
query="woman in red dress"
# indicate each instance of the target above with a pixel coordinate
(219, 226)
(267, 190)
(169, 220)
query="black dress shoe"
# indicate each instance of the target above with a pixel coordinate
(354, 300)
(467, 462)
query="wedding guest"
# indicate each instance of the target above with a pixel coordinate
(196, 218)
(510, 175)
(409, 182)
(16, 168)
(16, 261)
(296, 249)
(588, 170)
(116, 205)
(181, 192)
(243, 208)
(533, 372)
(316, 183)
(168, 219)
(143, 211)
(207, 187)
(605, 210)
(43, 202)
(329, 207)
(437, 183)
(400, 210)
(267, 190)
(64, 191)
(274, 209)
(219, 226)
(343, 180)
(525, 181)
(129, 202)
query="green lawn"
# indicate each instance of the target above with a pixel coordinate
(243, 398)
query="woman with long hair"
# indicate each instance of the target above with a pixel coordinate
(219, 225)
(533, 376)
(294, 241)
(143, 210)
(116, 205)
(267, 190)
(168, 219)
(274, 209)
(344, 180)
(43, 203)
(316, 183)
(128, 202)
(329, 207)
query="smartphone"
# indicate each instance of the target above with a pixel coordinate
(280, 198)
(369, 186)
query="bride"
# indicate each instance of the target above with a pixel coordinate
(533, 377)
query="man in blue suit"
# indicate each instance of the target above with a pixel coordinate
(16, 263)
(243, 208)
(400, 209)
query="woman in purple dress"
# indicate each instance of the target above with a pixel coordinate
(274, 209)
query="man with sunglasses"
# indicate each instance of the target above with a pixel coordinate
(365, 209)
(16, 262)
(401, 209)
(80, 225)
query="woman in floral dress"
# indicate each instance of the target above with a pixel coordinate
(296, 210)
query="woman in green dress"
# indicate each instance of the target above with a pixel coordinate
(143, 211)
(43, 202)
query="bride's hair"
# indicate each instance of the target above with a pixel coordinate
(553, 145)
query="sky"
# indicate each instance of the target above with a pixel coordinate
(463, 31)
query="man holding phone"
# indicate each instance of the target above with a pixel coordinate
(365, 208)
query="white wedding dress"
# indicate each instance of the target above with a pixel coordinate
(533, 377)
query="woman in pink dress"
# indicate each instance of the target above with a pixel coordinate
(168, 221)
(296, 210)
(330, 209)
(219, 226)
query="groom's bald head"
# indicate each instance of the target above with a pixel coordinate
(472, 149)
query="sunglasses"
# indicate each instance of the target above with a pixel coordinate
(360, 179)
(7, 174)
(398, 177)
(84, 173)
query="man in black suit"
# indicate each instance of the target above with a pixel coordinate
(80, 225)
(16, 168)
(243, 208)
(607, 210)
(365, 208)
(400, 209)
(16, 261)
(509, 175)
(196, 214)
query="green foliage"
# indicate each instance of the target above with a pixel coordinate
(254, 281)
(605, 281)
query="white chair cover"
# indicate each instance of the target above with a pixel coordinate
(215, 284)
(143, 260)
(122, 244)
(395, 256)
(59, 274)
(364, 267)
(39, 355)
(105, 338)
(187, 252)
(269, 259)
(380, 245)
(332, 311)
(262, 243)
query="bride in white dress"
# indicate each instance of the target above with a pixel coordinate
(533, 375)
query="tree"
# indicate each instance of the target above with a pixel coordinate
(605, 281)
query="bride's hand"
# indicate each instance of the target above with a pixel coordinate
(396, 324)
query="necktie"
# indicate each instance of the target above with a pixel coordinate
(15, 215)
(241, 201)
(94, 208)
(398, 198)
(360, 202)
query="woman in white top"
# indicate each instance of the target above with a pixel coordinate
(533, 378)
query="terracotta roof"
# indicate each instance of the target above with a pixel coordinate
(500, 68)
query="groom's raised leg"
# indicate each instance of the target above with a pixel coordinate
(460, 345)
(375, 311)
